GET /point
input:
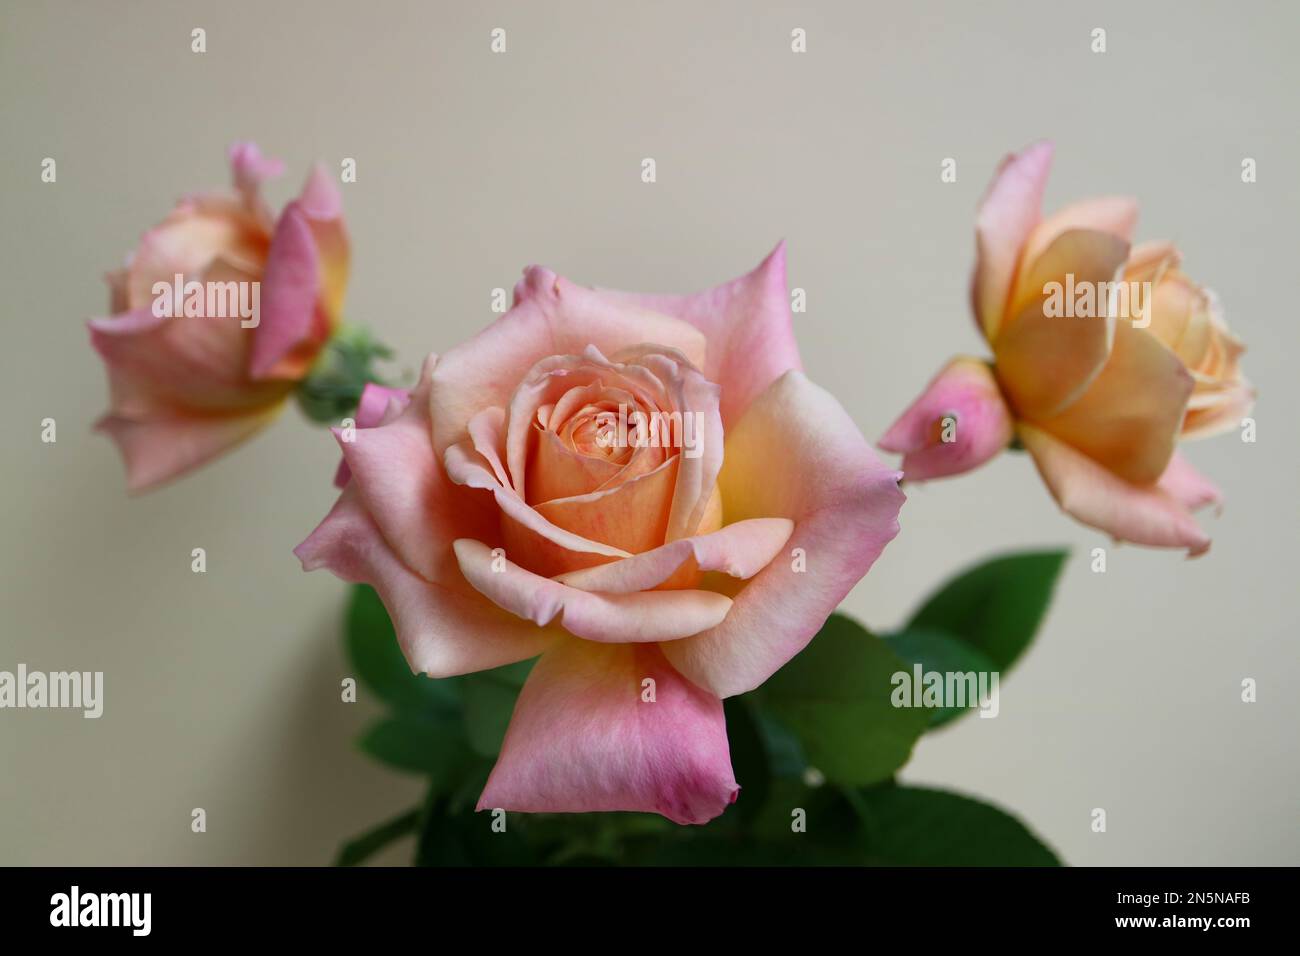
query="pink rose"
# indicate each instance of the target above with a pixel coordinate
(263, 298)
(1103, 358)
(646, 491)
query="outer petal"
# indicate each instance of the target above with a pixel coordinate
(1114, 215)
(1143, 514)
(1007, 214)
(1188, 486)
(795, 454)
(1223, 416)
(1045, 362)
(288, 300)
(1128, 419)
(740, 550)
(443, 632)
(966, 391)
(583, 739)
(614, 618)
(551, 316)
(306, 278)
(748, 326)
(157, 450)
(416, 507)
(379, 405)
(164, 365)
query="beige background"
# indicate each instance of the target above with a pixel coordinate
(222, 689)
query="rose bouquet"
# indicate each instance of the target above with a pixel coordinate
(597, 549)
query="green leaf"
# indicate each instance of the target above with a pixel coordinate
(377, 659)
(489, 699)
(360, 848)
(418, 745)
(940, 651)
(918, 826)
(835, 696)
(461, 837)
(996, 606)
(749, 761)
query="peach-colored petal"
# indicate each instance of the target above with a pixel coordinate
(552, 316)
(632, 517)
(1045, 362)
(1143, 514)
(1114, 215)
(739, 550)
(616, 618)
(1129, 418)
(795, 454)
(748, 325)
(1223, 414)
(1007, 214)
(156, 450)
(191, 364)
(959, 422)
(602, 727)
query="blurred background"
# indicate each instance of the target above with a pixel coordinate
(222, 689)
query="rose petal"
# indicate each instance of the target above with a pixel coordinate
(1045, 362)
(174, 365)
(526, 532)
(158, 450)
(412, 502)
(615, 618)
(748, 325)
(1114, 215)
(965, 391)
(551, 316)
(740, 550)
(1129, 418)
(1007, 214)
(1143, 514)
(442, 632)
(378, 405)
(583, 738)
(1188, 486)
(795, 454)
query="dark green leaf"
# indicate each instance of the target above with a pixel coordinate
(917, 826)
(941, 652)
(466, 838)
(995, 606)
(749, 760)
(835, 696)
(360, 848)
(433, 746)
(489, 700)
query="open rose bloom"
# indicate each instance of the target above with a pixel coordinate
(1099, 400)
(517, 506)
(187, 385)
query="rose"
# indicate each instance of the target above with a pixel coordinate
(1099, 399)
(500, 516)
(185, 389)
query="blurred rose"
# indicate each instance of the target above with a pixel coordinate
(184, 389)
(517, 507)
(1100, 394)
